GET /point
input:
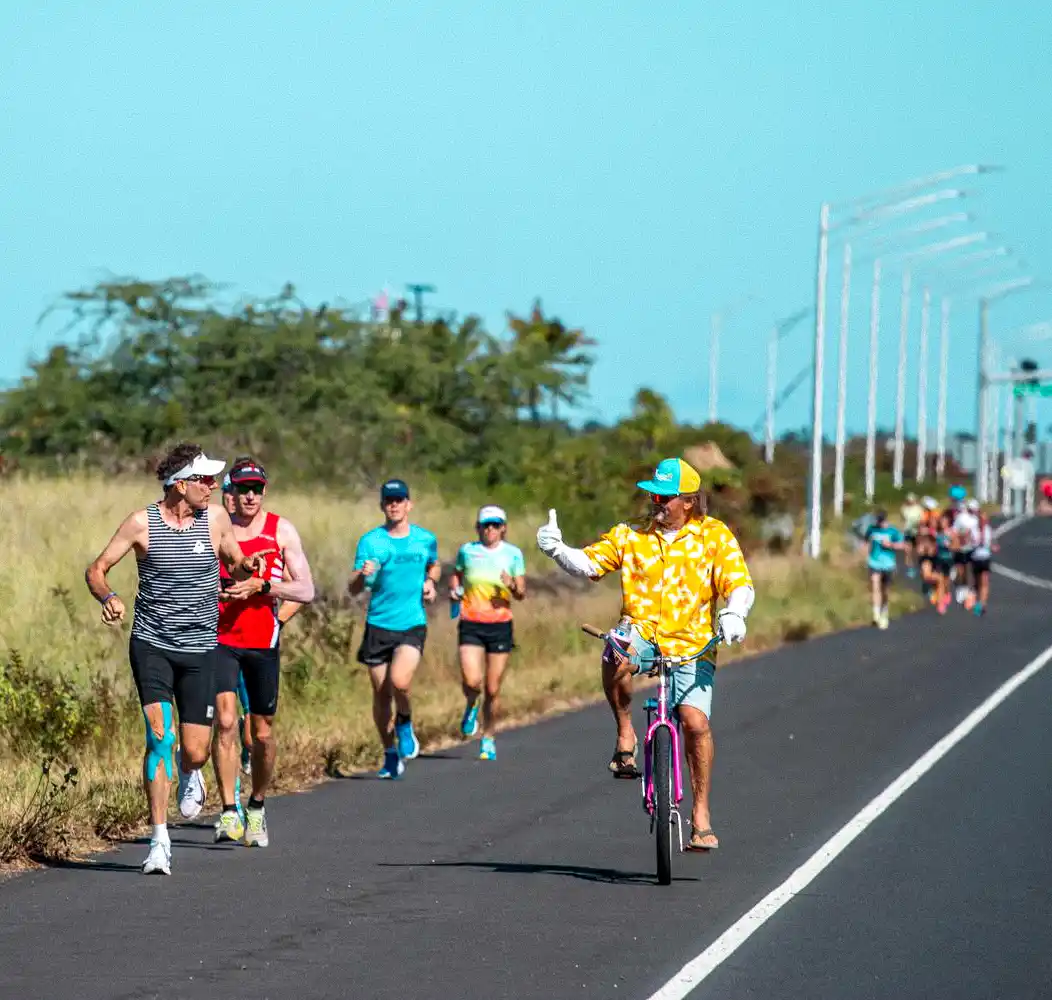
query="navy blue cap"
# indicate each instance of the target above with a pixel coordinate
(394, 489)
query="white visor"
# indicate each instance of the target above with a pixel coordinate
(200, 466)
(491, 514)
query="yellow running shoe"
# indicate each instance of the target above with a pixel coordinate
(229, 826)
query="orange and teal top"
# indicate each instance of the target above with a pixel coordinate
(486, 598)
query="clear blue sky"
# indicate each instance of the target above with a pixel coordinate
(636, 166)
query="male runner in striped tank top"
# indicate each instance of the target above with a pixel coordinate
(249, 628)
(178, 544)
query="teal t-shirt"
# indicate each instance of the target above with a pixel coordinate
(881, 557)
(397, 601)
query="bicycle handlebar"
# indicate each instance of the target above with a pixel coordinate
(716, 640)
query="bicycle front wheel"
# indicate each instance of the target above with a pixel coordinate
(663, 803)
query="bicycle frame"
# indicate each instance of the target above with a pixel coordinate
(664, 666)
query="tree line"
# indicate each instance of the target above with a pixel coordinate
(329, 399)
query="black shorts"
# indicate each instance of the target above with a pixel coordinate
(379, 644)
(911, 537)
(261, 669)
(980, 565)
(493, 637)
(962, 558)
(188, 679)
(943, 566)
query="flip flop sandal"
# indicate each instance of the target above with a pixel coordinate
(698, 836)
(623, 764)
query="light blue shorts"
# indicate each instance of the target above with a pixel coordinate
(692, 684)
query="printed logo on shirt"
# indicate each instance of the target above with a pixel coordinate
(199, 548)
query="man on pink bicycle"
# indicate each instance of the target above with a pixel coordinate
(673, 569)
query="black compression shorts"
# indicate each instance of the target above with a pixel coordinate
(187, 679)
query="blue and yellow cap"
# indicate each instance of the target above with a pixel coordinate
(671, 478)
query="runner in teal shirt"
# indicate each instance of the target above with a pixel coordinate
(398, 564)
(885, 540)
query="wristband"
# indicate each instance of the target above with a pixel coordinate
(265, 589)
(109, 597)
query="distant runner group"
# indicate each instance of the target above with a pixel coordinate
(950, 549)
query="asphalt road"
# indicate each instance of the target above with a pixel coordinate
(533, 877)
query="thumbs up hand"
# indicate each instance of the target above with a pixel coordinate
(549, 536)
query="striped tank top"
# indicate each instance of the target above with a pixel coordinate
(177, 606)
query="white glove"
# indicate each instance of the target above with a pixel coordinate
(549, 536)
(732, 625)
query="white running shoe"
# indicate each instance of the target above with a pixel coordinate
(191, 793)
(159, 860)
(256, 828)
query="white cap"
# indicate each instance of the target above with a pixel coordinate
(929, 503)
(972, 504)
(911, 498)
(491, 513)
(200, 466)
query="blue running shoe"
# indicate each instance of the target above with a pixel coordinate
(394, 767)
(469, 724)
(977, 610)
(488, 750)
(408, 744)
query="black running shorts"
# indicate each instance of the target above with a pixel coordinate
(379, 644)
(493, 637)
(187, 679)
(261, 669)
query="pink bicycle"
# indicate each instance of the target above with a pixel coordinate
(662, 775)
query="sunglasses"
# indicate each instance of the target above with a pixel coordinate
(661, 499)
(208, 481)
(243, 489)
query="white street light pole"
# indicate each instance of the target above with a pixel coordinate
(814, 534)
(981, 463)
(900, 385)
(931, 250)
(944, 370)
(1006, 494)
(874, 208)
(841, 385)
(922, 390)
(871, 402)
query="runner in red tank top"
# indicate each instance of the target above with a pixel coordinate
(250, 619)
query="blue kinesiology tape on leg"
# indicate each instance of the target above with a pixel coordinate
(159, 751)
(242, 691)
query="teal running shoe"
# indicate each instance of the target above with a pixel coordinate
(408, 744)
(488, 749)
(469, 724)
(394, 767)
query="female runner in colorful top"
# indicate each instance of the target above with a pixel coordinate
(487, 575)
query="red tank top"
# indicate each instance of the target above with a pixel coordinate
(253, 623)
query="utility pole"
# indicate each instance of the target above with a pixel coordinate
(419, 291)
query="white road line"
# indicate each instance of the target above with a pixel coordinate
(1012, 522)
(1014, 574)
(695, 971)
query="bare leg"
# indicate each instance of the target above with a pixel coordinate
(225, 753)
(264, 753)
(496, 663)
(380, 678)
(156, 788)
(403, 665)
(875, 594)
(700, 749)
(617, 685)
(472, 671)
